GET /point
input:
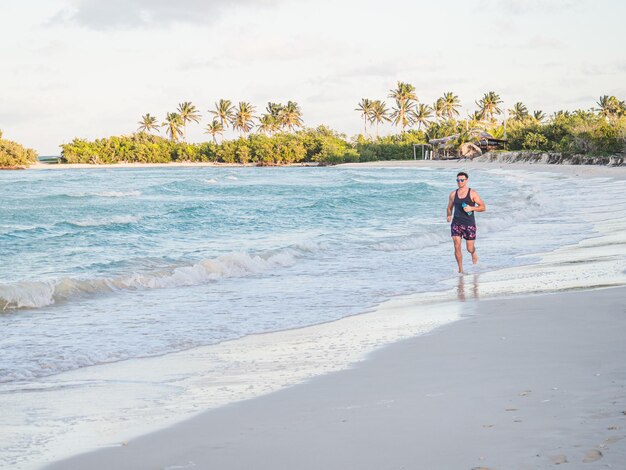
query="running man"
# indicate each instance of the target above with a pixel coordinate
(465, 202)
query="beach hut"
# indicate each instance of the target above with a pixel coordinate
(487, 142)
(481, 142)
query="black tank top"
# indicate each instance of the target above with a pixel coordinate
(460, 216)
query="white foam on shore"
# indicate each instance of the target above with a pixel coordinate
(102, 405)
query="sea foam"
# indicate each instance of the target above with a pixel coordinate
(35, 294)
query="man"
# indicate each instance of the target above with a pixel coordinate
(465, 202)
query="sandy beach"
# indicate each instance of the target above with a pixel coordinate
(528, 382)
(468, 165)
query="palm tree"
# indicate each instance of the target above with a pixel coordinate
(539, 115)
(173, 125)
(148, 123)
(224, 112)
(402, 114)
(439, 108)
(405, 98)
(404, 91)
(188, 113)
(451, 104)
(365, 106)
(272, 121)
(267, 124)
(379, 113)
(610, 107)
(518, 112)
(422, 115)
(215, 128)
(291, 116)
(274, 110)
(488, 105)
(243, 118)
(476, 118)
(560, 115)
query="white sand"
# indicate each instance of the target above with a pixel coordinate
(524, 383)
(468, 165)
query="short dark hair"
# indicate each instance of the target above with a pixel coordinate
(462, 173)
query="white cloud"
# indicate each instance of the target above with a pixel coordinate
(533, 6)
(125, 14)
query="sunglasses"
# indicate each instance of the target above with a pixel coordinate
(460, 180)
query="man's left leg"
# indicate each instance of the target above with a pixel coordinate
(471, 248)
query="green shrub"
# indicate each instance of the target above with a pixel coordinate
(580, 132)
(13, 154)
(535, 141)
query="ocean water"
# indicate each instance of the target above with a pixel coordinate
(103, 266)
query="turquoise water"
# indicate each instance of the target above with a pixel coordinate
(103, 265)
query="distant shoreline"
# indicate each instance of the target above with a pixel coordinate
(60, 166)
(572, 170)
(591, 171)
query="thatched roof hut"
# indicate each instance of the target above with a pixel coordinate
(482, 140)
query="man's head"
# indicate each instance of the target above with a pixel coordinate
(461, 179)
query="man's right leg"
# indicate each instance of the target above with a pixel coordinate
(458, 254)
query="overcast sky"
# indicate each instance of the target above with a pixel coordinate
(92, 68)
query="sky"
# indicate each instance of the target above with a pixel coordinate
(92, 68)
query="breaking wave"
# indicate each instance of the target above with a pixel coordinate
(36, 294)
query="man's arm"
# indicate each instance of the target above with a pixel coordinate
(479, 204)
(450, 206)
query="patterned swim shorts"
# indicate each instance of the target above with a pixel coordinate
(464, 231)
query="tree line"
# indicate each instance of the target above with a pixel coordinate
(278, 135)
(321, 145)
(241, 118)
(14, 155)
(598, 130)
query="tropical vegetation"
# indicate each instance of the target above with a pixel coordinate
(321, 145)
(14, 155)
(598, 131)
(277, 135)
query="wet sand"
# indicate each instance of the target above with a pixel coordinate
(525, 382)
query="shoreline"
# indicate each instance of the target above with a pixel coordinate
(618, 172)
(524, 382)
(60, 166)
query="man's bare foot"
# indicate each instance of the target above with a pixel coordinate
(474, 257)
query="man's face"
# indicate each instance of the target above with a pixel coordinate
(461, 181)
